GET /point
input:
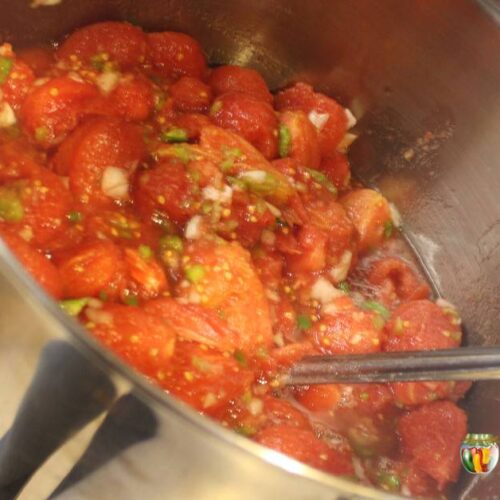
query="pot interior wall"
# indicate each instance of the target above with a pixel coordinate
(424, 78)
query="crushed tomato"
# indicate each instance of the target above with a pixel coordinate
(219, 235)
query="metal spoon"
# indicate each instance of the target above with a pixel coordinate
(465, 363)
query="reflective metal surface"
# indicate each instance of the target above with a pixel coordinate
(425, 78)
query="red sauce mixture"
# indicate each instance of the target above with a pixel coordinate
(209, 234)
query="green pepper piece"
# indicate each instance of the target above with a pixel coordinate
(145, 252)
(304, 322)
(377, 307)
(11, 207)
(195, 273)
(171, 242)
(389, 481)
(5, 68)
(260, 182)
(285, 141)
(174, 135)
(388, 228)
(239, 355)
(75, 216)
(131, 300)
(74, 307)
(322, 179)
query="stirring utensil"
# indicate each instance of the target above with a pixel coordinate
(464, 363)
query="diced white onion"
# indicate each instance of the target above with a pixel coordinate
(448, 307)
(339, 272)
(351, 119)
(193, 228)
(405, 491)
(26, 233)
(258, 176)
(330, 309)
(274, 210)
(114, 182)
(346, 141)
(255, 406)
(324, 291)
(272, 295)
(359, 470)
(94, 303)
(268, 237)
(318, 119)
(99, 316)
(444, 304)
(223, 196)
(75, 76)
(278, 340)
(194, 297)
(209, 400)
(107, 81)
(7, 115)
(395, 215)
(40, 81)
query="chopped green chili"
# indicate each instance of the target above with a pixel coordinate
(5, 68)
(74, 306)
(174, 135)
(11, 207)
(195, 273)
(285, 141)
(377, 307)
(303, 322)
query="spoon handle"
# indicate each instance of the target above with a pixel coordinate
(465, 363)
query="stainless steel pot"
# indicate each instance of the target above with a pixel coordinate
(425, 76)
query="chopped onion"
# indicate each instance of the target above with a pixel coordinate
(99, 316)
(405, 491)
(94, 303)
(324, 291)
(359, 470)
(75, 76)
(107, 81)
(114, 182)
(351, 119)
(255, 406)
(330, 309)
(26, 233)
(193, 228)
(444, 304)
(347, 140)
(339, 272)
(272, 295)
(395, 215)
(278, 340)
(274, 210)
(194, 297)
(40, 81)
(223, 196)
(268, 237)
(318, 119)
(209, 400)
(7, 116)
(258, 176)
